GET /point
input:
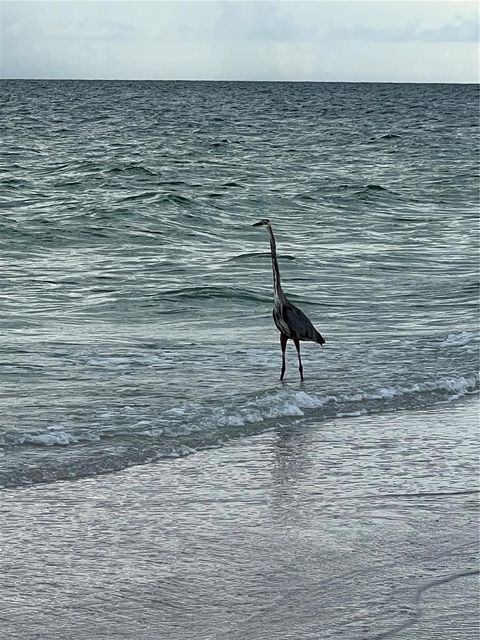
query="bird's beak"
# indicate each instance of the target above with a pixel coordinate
(257, 224)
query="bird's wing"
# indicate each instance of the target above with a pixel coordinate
(299, 323)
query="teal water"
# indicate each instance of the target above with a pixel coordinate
(136, 297)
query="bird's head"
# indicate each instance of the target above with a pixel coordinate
(265, 222)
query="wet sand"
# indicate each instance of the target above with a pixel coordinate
(357, 528)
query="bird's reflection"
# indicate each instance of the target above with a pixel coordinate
(290, 468)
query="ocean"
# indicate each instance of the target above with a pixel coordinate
(136, 296)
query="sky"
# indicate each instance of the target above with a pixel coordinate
(376, 41)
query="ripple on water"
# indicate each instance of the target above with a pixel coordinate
(126, 235)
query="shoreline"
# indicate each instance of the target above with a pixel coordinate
(58, 455)
(352, 528)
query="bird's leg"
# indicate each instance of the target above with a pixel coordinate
(300, 367)
(283, 344)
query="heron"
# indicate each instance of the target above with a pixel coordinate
(292, 323)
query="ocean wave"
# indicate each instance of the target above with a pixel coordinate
(229, 293)
(74, 464)
(390, 136)
(232, 183)
(191, 427)
(257, 254)
(144, 195)
(288, 403)
(386, 136)
(158, 196)
(47, 438)
(176, 198)
(132, 169)
(370, 191)
(191, 418)
(375, 187)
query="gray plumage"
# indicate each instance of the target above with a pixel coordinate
(292, 323)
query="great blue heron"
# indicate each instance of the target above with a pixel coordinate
(292, 323)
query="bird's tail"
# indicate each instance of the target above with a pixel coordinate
(319, 338)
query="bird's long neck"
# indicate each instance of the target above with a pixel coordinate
(277, 287)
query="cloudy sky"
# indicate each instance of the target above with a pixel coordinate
(384, 40)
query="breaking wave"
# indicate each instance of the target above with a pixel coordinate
(188, 427)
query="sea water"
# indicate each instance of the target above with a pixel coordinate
(136, 297)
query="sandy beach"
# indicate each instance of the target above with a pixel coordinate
(355, 528)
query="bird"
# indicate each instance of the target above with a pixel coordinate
(292, 323)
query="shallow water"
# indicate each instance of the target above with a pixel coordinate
(136, 297)
(353, 528)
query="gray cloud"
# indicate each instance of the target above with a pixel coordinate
(262, 22)
(86, 29)
(90, 29)
(460, 30)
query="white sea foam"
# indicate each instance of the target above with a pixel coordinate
(457, 339)
(189, 419)
(61, 438)
(281, 404)
(179, 451)
(186, 408)
(351, 414)
(460, 385)
(153, 433)
(289, 403)
(52, 437)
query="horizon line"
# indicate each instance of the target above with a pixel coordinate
(454, 82)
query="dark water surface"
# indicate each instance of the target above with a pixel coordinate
(136, 297)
